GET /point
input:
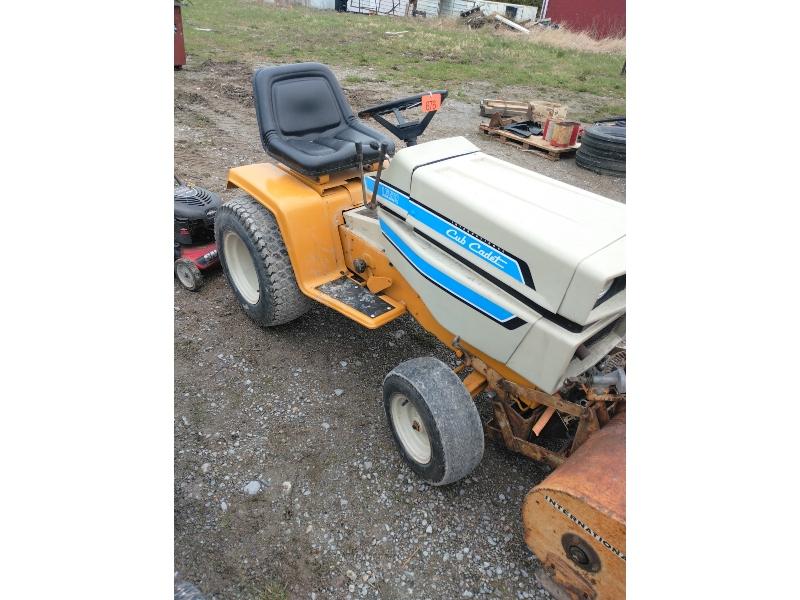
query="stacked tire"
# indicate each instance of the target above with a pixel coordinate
(603, 149)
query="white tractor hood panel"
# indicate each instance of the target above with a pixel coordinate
(505, 214)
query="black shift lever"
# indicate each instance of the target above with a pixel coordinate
(373, 203)
(360, 159)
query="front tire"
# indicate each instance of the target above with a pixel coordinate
(433, 420)
(188, 274)
(256, 263)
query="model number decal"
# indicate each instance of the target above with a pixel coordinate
(585, 527)
(388, 193)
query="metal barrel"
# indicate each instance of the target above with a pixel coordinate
(574, 520)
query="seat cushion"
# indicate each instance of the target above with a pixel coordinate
(329, 152)
(305, 104)
(307, 123)
(312, 147)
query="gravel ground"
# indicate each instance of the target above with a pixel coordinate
(287, 481)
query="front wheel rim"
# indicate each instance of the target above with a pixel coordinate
(410, 429)
(185, 276)
(240, 266)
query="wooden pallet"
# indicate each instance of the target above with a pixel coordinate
(533, 144)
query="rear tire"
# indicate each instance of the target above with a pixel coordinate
(433, 420)
(256, 263)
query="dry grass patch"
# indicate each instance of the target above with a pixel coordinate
(555, 38)
(576, 40)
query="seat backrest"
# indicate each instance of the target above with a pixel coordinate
(297, 100)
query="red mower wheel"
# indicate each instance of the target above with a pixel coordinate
(188, 274)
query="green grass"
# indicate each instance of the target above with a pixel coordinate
(611, 109)
(429, 55)
(273, 591)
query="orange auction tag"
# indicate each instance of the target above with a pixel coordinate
(431, 102)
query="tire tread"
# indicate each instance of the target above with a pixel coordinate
(453, 410)
(287, 302)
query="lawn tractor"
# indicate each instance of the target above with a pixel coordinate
(521, 276)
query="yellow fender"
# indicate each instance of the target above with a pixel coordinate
(308, 218)
(309, 213)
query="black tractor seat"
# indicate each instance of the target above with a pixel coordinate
(306, 122)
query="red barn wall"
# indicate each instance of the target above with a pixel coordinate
(601, 18)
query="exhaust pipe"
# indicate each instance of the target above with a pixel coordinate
(615, 378)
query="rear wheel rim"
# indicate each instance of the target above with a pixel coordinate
(240, 266)
(410, 429)
(185, 276)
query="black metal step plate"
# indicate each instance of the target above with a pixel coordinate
(347, 291)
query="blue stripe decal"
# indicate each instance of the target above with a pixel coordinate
(466, 294)
(494, 257)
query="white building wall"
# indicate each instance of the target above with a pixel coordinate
(453, 8)
(429, 7)
(318, 4)
(432, 8)
(382, 7)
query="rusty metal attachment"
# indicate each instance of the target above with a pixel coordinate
(580, 552)
(522, 414)
(575, 519)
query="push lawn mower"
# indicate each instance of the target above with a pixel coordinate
(521, 276)
(195, 248)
